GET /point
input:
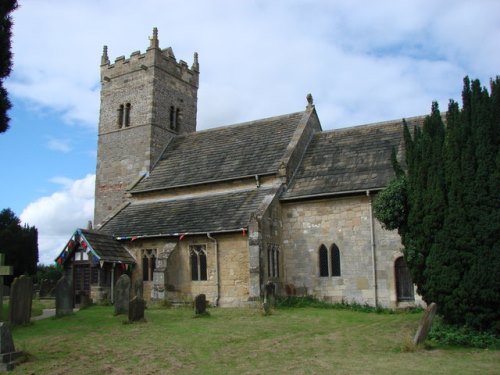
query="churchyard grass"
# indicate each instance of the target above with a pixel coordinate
(239, 341)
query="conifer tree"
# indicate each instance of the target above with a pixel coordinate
(6, 7)
(451, 230)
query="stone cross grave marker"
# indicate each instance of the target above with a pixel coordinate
(4, 271)
(21, 295)
(425, 324)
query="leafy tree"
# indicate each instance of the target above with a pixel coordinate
(19, 244)
(450, 194)
(6, 7)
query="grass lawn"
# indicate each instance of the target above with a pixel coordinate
(238, 341)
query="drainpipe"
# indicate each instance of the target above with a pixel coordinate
(372, 240)
(216, 246)
(113, 283)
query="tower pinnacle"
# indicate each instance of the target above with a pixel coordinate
(104, 57)
(154, 42)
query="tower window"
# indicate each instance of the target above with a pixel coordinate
(175, 114)
(124, 115)
(120, 115)
(127, 115)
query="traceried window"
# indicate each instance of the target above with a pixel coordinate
(273, 260)
(404, 283)
(329, 261)
(198, 255)
(148, 264)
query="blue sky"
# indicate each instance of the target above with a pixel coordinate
(363, 62)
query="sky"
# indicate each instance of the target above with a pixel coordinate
(363, 62)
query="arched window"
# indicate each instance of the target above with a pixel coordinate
(404, 283)
(198, 257)
(323, 261)
(127, 115)
(120, 116)
(152, 266)
(172, 117)
(145, 268)
(335, 258)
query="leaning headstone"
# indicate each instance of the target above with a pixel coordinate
(21, 295)
(425, 324)
(136, 309)
(8, 352)
(4, 271)
(122, 295)
(139, 288)
(200, 304)
(64, 296)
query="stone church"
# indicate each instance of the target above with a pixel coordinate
(224, 211)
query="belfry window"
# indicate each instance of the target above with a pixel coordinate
(124, 115)
(329, 261)
(198, 255)
(174, 116)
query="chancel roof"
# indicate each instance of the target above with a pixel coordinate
(213, 213)
(252, 148)
(348, 160)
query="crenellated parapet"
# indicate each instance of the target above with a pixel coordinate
(163, 59)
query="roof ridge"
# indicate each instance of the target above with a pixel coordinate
(376, 124)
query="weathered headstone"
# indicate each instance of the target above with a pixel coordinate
(270, 294)
(139, 288)
(8, 352)
(122, 295)
(200, 304)
(21, 295)
(136, 309)
(425, 324)
(4, 271)
(64, 296)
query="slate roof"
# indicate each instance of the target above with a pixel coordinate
(224, 153)
(106, 247)
(348, 160)
(211, 213)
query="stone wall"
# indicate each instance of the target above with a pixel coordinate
(233, 269)
(345, 221)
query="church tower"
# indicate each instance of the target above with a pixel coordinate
(146, 100)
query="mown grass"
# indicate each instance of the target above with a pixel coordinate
(239, 341)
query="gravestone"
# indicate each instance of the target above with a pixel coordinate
(136, 309)
(139, 288)
(21, 294)
(64, 296)
(200, 304)
(270, 294)
(425, 324)
(4, 271)
(8, 352)
(122, 295)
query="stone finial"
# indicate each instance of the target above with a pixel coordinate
(104, 57)
(154, 42)
(310, 104)
(196, 64)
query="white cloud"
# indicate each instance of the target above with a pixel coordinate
(58, 215)
(56, 144)
(362, 61)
